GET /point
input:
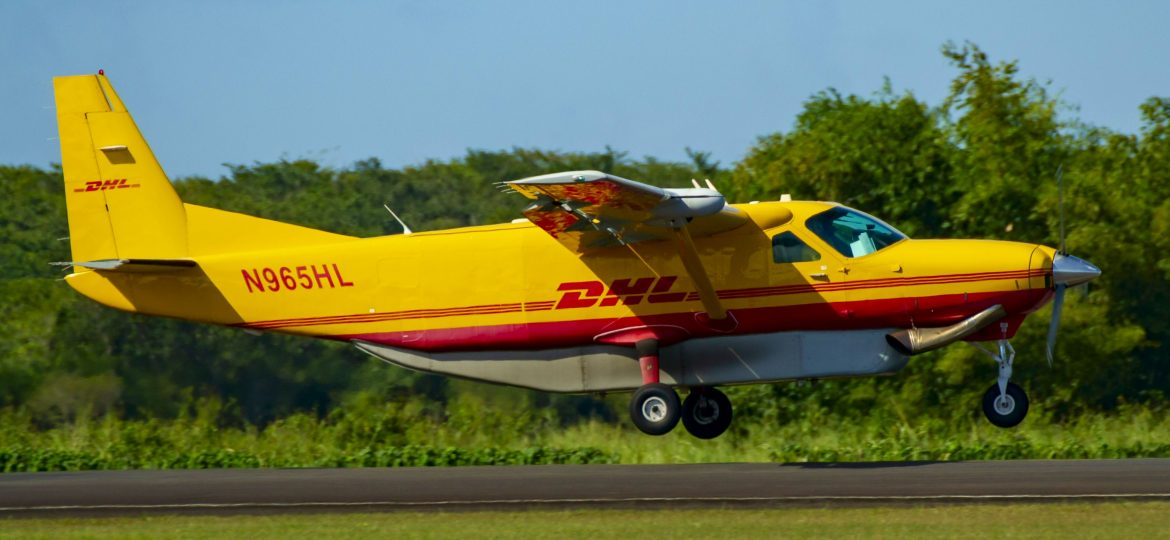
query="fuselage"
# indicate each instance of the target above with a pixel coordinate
(513, 287)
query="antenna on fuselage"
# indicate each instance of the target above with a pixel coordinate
(405, 229)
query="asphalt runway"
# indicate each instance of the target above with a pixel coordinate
(229, 491)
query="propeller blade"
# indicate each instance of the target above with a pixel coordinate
(1060, 204)
(1054, 324)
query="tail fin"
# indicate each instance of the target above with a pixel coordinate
(121, 205)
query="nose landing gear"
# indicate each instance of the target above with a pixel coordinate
(1004, 404)
(1005, 409)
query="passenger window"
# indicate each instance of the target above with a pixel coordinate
(787, 248)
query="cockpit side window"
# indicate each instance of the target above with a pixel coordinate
(788, 248)
(853, 233)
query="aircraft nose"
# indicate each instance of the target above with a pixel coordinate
(1068, 270)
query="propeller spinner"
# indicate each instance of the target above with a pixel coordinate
(1067, 271)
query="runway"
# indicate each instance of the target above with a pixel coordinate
(228, 491)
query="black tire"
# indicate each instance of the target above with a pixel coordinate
(654, 409)
(1009, 412)
(706, 413)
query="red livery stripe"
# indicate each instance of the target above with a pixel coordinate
(878, 283)
(727, 294)
(889, 313)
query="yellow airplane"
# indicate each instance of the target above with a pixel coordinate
(607, 285)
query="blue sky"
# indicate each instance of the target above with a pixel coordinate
(237, 82)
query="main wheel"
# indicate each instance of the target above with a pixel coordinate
(654, 408)
(1005, 410)
(706, 413)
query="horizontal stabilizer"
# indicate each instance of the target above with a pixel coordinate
(135, 265)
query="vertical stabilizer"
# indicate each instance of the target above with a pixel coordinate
(121, 205)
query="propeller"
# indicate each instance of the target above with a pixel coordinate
(1067, 271)
(1060, 205)
(1058, 300)
(1054, 324)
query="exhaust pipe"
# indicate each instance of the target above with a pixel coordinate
(919, 340)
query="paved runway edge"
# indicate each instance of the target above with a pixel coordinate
(244, 491)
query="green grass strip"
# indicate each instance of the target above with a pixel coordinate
(1081, 521)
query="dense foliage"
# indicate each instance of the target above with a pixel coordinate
(982, 164)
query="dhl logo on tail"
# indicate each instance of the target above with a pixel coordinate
(102, 185)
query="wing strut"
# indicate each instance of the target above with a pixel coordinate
(694, 267)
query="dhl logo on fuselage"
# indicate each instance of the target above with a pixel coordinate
(102, 185)
(628, 292)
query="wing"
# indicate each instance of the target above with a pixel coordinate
(588, 210)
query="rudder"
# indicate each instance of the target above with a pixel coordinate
(120, 203)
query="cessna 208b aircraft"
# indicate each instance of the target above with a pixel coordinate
(608, 285)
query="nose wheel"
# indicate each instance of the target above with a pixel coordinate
(1005, 404)
(1005, 409)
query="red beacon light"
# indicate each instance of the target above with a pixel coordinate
(101, 72)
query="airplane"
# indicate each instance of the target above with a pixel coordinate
(605, 284)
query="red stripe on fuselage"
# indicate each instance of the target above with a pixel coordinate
(728, 294)
(878, 283)
(886, 313)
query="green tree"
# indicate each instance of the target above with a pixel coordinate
(887, 156)
(1008, 145)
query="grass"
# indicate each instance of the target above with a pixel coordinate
(1082, 521)
(1132, 433)
(389, 435)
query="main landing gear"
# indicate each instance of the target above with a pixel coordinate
(1005, 404)
(655, 408)
(706, 413)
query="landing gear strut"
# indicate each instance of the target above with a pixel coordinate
(1005, 404)
(654, 407)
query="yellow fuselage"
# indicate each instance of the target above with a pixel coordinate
(512, 286)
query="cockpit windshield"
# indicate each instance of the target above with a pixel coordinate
(853, 233)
